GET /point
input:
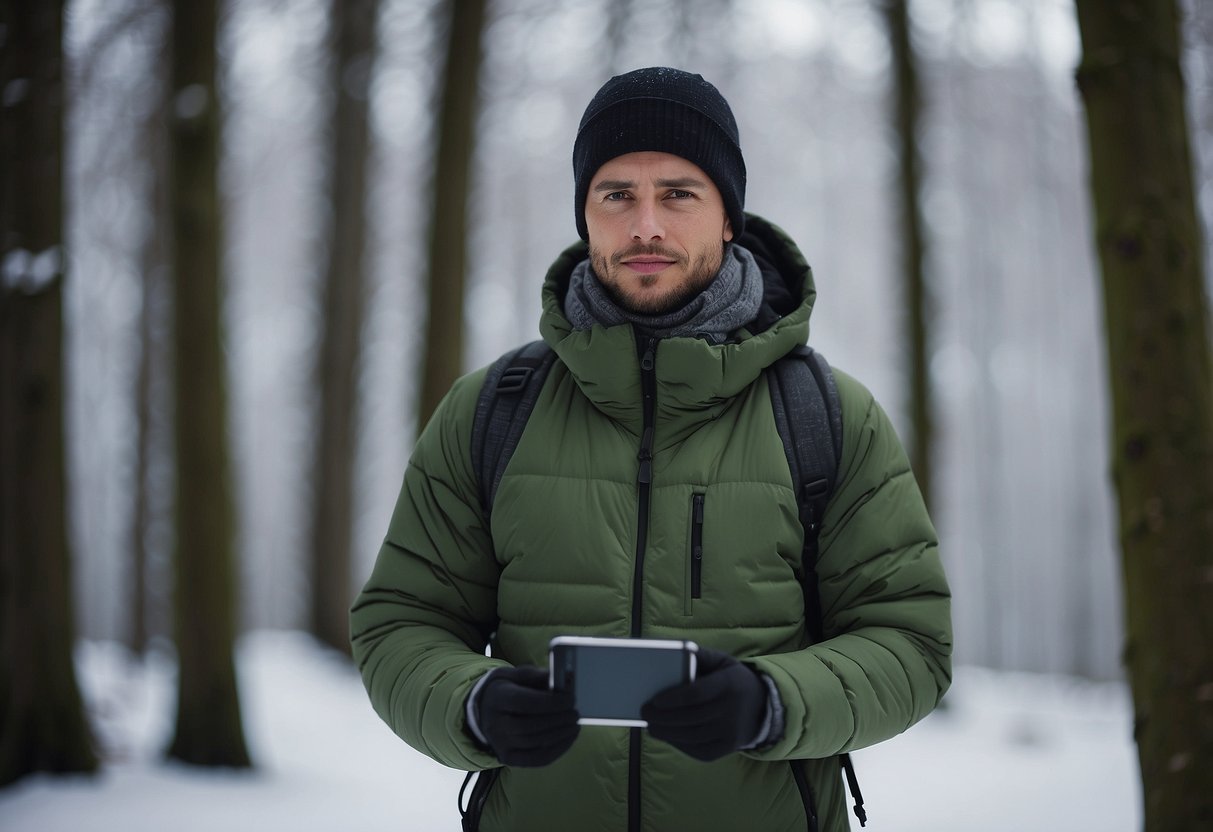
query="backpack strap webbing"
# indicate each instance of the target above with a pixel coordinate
(807, 409)
(507, 397)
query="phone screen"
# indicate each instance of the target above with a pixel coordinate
(612, 678)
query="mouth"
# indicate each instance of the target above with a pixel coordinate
(648, 265)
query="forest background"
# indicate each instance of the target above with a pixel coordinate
(1024, 501)
(1015, 360)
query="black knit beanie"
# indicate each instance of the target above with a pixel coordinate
(666, 110)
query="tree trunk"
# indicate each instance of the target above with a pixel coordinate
(619, 12)
(353, 49)
(208, 730)
(1200, 25)
(907, 102)
(1150, 250)
(149, 510)
(141, 508)
(448, 223)
(42, 723)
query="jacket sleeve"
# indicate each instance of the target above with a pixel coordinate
(420, 626)
(885, 661)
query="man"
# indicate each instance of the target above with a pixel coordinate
(655, 426)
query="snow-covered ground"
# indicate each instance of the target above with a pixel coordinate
(1009, 752)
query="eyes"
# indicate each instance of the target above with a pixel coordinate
(674, 193)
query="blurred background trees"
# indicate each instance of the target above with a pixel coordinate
(906, 109)
(208, 728)
(153, 452)
(323, 311)
(42, 725)
(451, 189)
(1151, 252)
(352, 49)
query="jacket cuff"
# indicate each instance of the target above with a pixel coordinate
(771, 730)
(472, 706)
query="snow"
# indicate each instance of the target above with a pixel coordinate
(1009, 752)
(191, 102)
(30, 273)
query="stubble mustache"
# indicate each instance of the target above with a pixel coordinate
(645, 250)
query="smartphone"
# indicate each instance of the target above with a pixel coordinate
(612, 677)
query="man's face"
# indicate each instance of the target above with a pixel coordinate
(657, 229)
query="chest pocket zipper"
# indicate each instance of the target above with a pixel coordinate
(697, 502)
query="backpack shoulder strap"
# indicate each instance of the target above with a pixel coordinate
(507, 397)
(808, 416)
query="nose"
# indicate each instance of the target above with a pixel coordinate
(646, 222)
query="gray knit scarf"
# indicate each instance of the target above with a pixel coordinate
(729, 302)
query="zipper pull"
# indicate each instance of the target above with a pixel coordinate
(645, 475)
(649, 360)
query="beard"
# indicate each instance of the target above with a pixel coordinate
(696, 276)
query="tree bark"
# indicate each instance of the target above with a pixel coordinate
(149, 508)
(907, 107)
(208, 728)
(142, 498)
(455, 139)
(353, 50)
(42, 722)
(1150, 251)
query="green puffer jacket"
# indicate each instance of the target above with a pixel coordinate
(568, 538)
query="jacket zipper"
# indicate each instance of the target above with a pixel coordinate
(644, 474)
(647, 349)
(697, 546)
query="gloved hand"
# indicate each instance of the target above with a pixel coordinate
(718, 713)
(525, 723)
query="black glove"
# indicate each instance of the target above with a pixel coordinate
(718, 713)
(525, 723)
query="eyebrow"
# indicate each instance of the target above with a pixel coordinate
(686, 182)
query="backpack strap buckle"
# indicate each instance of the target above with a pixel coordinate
(514, 379)
(816, 489)
(812, 499)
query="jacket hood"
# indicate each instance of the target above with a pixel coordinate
(695, 379)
